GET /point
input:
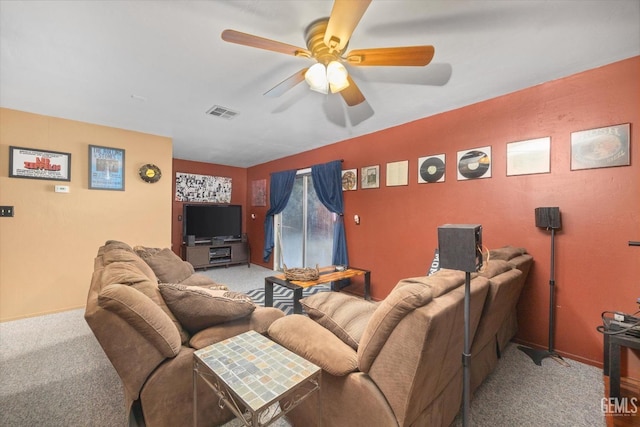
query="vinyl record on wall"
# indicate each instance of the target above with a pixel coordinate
(473, 164)
(431, 169)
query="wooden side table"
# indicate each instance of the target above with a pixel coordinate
(251, 375)
(327, 275)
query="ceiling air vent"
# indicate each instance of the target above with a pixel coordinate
(222, 112)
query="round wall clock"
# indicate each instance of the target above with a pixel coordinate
(150, 173)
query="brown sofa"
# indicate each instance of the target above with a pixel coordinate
(398, 362)
(150, 311)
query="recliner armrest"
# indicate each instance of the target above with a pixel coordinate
(318, 345)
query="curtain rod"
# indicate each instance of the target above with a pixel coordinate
(309, 167)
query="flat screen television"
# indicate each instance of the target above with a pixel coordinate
(208, 222)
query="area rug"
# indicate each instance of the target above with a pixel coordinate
(283, 297)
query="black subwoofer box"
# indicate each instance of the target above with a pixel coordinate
(460, 247)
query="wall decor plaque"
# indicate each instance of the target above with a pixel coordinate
(601, 148)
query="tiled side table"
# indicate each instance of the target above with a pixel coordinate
(251, 374)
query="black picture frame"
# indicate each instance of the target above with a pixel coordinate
(106, 168)
(36, 163)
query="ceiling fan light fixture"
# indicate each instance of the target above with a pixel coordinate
(316, 78)
(337, 76)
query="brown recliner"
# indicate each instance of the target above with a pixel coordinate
(406, 369)
(147, 346)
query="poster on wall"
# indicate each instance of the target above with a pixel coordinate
(398, 173)
(106, 168)
(600, 148)
(202, 188)
(39, 164)
(349, 179)
(529, 157)
(370, 177)
(259, 192)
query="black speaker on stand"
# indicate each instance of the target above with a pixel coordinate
(548, 218)
(459, 246)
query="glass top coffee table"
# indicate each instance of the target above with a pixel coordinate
(251, 374)
(327, 275)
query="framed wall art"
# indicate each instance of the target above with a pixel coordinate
(398, 173)
(349, 179)
(259, 192)
(370, 177)
(474, 164)
(106, 168)
(529, 157)
(39, 164)
(431, 169)
(601, 148)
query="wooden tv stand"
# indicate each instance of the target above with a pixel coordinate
(215, 254)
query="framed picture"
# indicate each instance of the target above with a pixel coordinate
(529, 157)
(601, 148)
(349, 180)
(474, 164)
(431, 168)
(370, 177)
(398, 173)
(106, 168)
(259, 192)
(39, 164)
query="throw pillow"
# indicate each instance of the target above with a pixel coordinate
(344, 315)
(168, 267)
(435, 264)
(198, 308)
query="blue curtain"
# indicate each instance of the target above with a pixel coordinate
(327, 181)
(280, 191)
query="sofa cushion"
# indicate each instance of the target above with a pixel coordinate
(168, 267)
(405, 297)
(118, 254)
(506, 253)
(198, 308)
(309, 340)
(151, 290)
(143, 315)
(344, 315)
(198, 279)
(494, 267)
(441, 282)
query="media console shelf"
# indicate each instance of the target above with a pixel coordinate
(206, 255)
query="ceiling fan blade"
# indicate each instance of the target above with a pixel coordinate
(352, 95)
(399, 56)
(286, 84)
(344, 18)
(250, 40)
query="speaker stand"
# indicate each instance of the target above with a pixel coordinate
(539, 355)
(466, 355)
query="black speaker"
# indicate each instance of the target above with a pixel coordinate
(191, 240)
(460, 247)
(548, 218)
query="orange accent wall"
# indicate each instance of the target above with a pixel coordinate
(596, 270)
(238, 193)
(47, 248)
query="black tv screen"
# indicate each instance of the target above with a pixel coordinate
(212, 221)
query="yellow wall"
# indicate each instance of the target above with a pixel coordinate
(47, 248)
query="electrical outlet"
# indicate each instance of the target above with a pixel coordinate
(6, 210)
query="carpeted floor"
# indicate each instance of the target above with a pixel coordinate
(54, 373)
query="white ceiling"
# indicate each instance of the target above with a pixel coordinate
(158, 66)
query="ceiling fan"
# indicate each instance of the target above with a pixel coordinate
(327, 39)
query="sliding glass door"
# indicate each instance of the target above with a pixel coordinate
(304, 230)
